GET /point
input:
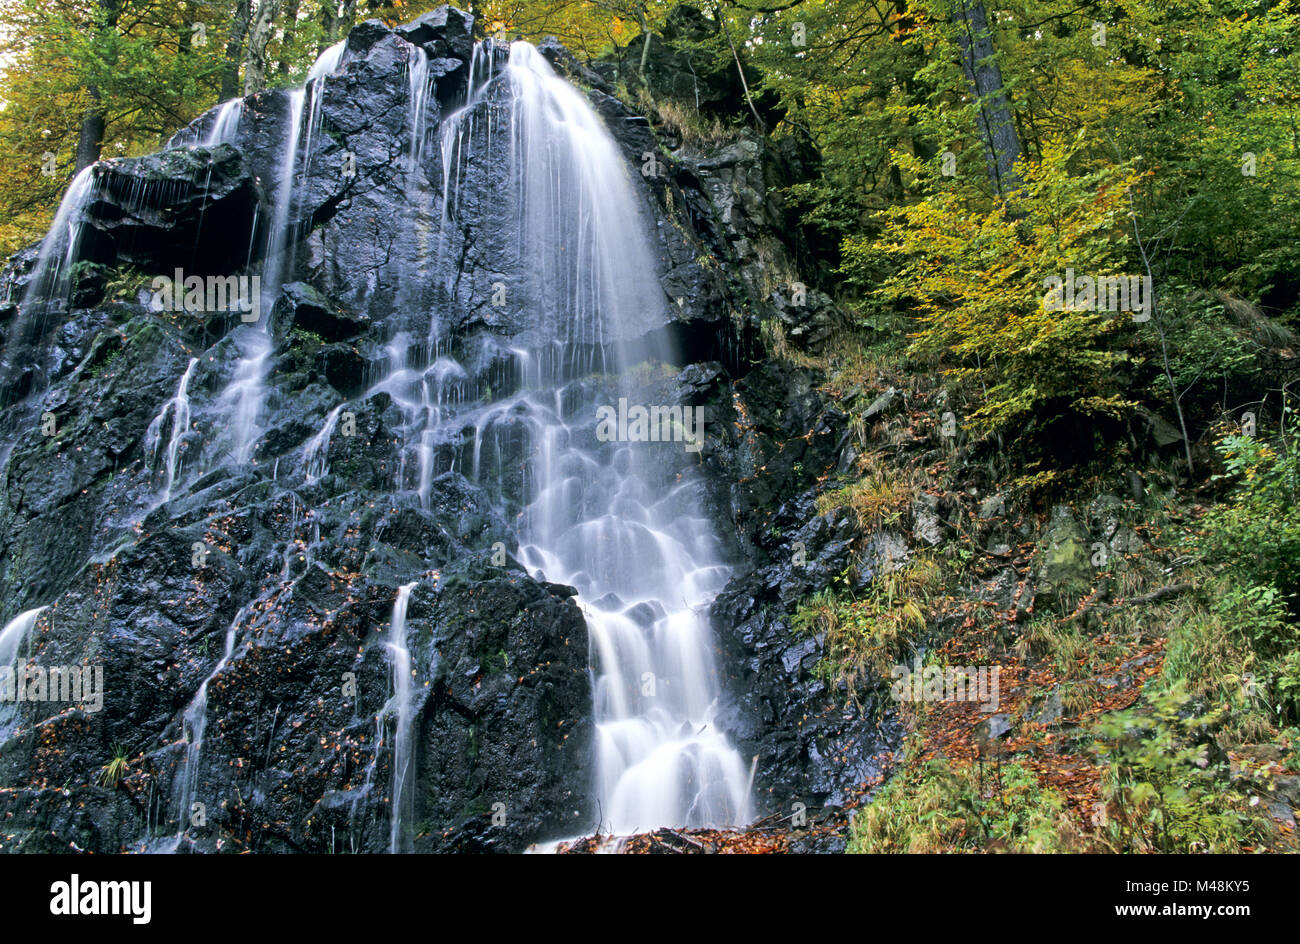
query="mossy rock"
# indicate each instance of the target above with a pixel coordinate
(1066, 572)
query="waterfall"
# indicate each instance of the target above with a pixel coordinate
(226, 125)
(50, 281)
(604, 517)
(417, 104)
(15, 633)
(514, 407)
(50, 277)
(328, 61)
(243, 396)
(410, 387)
(640, 552)
(400, 707)
(179, 406)
(458, 130)
(417, 195)
(315, 455)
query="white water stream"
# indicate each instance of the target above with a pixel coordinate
(179, 408)
(400, 707)
(12, 638)
(600, 517)
(245, 392)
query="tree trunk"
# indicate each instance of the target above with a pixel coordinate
(744, 83)
(234, 51)
(922, 147)
(329, 25)
(645, 42)
(94, 123)
(286, 44)
(90, 139)
(997, 130)
(259, 37)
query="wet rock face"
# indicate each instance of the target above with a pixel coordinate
(445, 34)
(174, 209)
(813, 745)
(511, 656)
(302, 554)
(303, 549)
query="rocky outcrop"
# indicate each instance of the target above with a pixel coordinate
(175, 209)
(1066, 571)
(686, 62)
(814, 745)
(297, 555)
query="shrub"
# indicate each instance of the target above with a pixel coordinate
(1257, 531)
(975, 278)
(939, 808)
(1163, 794)
(865, 638)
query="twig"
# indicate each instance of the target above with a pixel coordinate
(1164, 347)
(762, 125)
(1152, 597)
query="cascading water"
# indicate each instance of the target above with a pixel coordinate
(458, 131)
(244, 393)
(619, 521)
(401, 710)
(194, 725)
(49, 278)
(242, 397)
(605, 517)
(420, 393)
(226, 125)
(50, 282)
(12, 638)
(328, 61)
(179, 407)
(643, 558)
(15, 633)
(315, 455)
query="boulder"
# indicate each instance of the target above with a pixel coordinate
(1065, 571)
(191, 208)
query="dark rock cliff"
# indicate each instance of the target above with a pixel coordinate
(303, 554)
